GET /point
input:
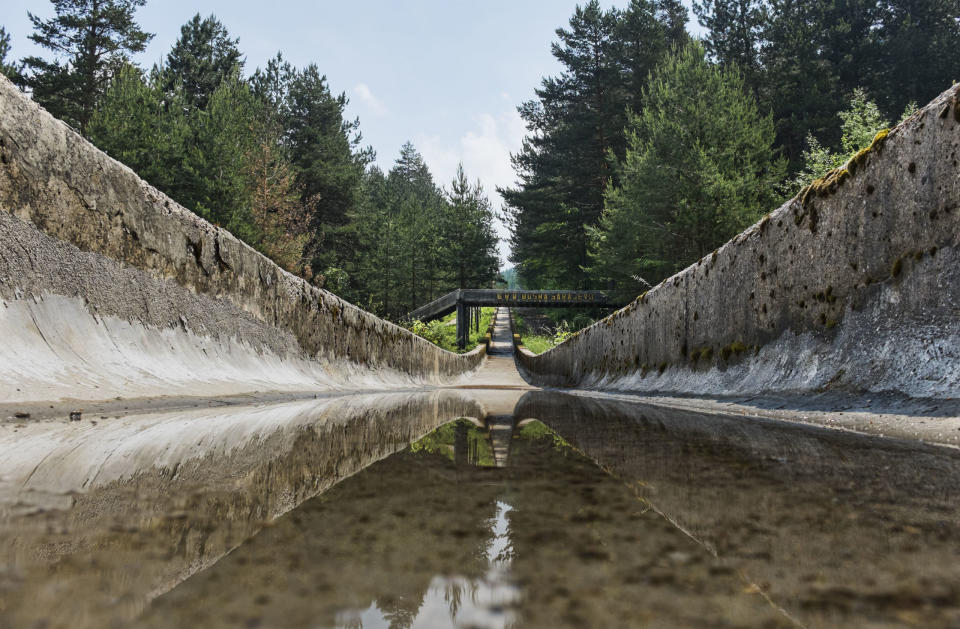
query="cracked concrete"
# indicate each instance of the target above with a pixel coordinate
(110, 289)
(856, 290)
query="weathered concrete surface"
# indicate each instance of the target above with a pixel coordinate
(858, 290)
(109, 288)
(497, 384)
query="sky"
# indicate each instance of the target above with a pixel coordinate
(447, 75)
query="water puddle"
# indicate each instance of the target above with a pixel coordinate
(457, 600)
(379, 511)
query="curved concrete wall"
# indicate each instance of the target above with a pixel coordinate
(853, 284)
(109, 288)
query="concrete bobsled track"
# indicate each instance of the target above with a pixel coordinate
(112, 295)
(852, 286)
(110, 289)
(113, 298)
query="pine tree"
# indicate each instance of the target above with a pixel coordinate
(91, 38)
(7, 69)
(818, 160)
(645, 33)
(225, 162)
(915, 56)
(735, 34)
(859, 125)
(469, 241)
(373, 268)
(325, 149)
(201, 59)
(215, 169)
(673, 15)
(143, 127)
(806, 58)
(700, 167)
(4, 45)
(417, 204)
(414, 241)
(574, 126)
(801, 84)
(272, 85)
(278, 216)
(563, 166)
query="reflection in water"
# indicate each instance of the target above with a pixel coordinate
(153, 499)
(833, 529)
(417, 540)
(610, 514)
(458, 600)
(459, 441)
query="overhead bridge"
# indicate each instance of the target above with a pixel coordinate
(466, 302)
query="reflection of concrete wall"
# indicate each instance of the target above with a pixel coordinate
(111, 287)
(856, 287)
(380, 537)
(835, 527)
(145, 502)
(413, 537)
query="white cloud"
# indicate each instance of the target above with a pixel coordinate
(485, 152)
(374, 105)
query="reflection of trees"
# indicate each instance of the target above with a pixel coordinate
(460, 441)
(416, 529)
(453, 595)
(400, 613)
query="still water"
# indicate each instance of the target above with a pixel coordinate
(379, 511)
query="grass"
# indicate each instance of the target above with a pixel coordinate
(443, 332)
(537, 430)
(536, 343)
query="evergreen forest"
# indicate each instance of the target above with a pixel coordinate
(652, 148)
(267, 154)
(648, 150)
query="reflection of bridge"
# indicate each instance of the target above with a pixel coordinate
(467, 301)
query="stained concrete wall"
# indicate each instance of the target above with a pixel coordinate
(854, 284)
(109, 288)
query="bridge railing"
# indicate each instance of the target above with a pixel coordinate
(437, 308)
(496, 297)
(462, 300)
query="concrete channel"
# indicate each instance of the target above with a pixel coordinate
(191, 436)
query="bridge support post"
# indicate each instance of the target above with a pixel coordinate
(463, 324)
